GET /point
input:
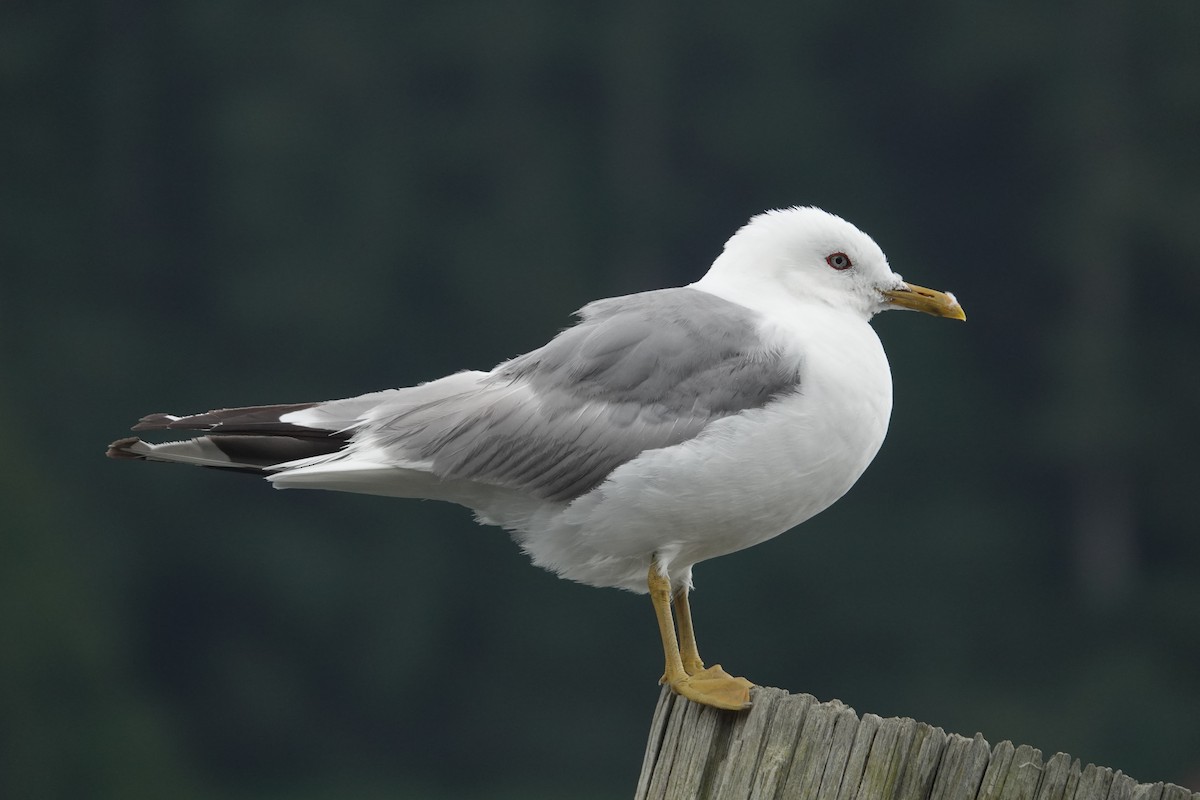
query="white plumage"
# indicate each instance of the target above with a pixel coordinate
(665, 428)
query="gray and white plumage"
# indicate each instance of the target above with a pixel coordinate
(675, 425)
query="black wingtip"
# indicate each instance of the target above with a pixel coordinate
(262, 420)
(154, 422)
(121, 448)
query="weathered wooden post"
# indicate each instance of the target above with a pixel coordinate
(791, 746)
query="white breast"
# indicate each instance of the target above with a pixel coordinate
(745, 479)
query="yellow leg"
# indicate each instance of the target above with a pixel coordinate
(688, 652)
(660, 596)
(712, 686)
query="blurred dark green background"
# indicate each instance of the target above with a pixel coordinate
(208, 203)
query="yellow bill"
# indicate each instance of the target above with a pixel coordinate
(927, 301)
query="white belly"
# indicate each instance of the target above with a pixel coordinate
(744, 480)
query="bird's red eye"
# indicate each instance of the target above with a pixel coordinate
(839, 261)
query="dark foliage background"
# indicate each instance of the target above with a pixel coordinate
(208, 203)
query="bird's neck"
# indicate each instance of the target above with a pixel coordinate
(748, 291)
(765, 296)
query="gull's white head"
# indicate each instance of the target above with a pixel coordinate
(808, 255)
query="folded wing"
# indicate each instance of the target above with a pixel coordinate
(636, 373)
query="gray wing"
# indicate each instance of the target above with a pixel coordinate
(639, 372)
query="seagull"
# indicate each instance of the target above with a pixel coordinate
(663, 429)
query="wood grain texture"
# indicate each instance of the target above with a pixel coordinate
(794, 747)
